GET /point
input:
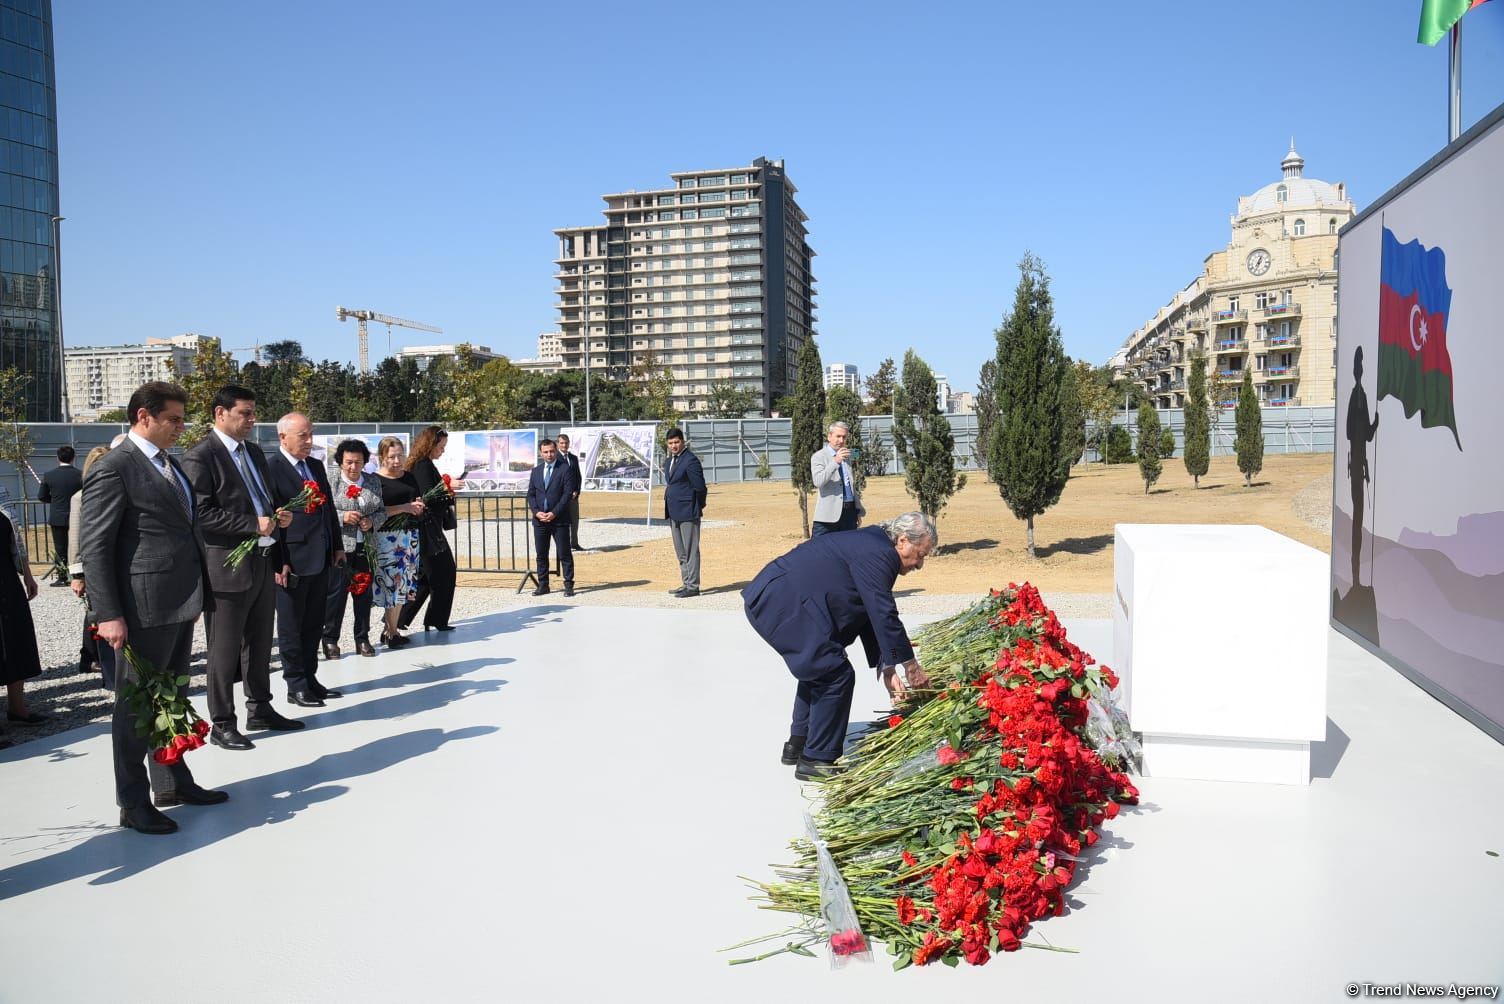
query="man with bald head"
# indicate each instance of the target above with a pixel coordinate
(311, 543)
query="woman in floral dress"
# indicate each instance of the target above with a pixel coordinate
(394, 580)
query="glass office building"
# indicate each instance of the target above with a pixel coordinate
(28, 203)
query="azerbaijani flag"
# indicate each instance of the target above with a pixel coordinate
(1414, 301)
(1438, 16)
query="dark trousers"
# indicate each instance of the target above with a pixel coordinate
(339, 595)
(136, 775)
(556, 533)
(822, 712)
(846, 522)
(240, 645)
(300, 622)
(435, 585)
(60, 545)
(574, 524)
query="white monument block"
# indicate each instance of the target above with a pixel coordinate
(1220, 641)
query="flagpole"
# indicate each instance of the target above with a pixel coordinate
(1454, 85)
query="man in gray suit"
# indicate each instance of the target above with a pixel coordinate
(837, 505)
(145, 565)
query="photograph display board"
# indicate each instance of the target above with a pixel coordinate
(323, 446)
(1418, 494)
(490, 460)
(614, 458)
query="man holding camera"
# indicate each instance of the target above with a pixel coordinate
(837, 506)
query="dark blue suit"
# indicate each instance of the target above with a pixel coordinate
(812, 603)
(552, 498)
(683, 503)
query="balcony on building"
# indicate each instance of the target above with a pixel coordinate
(1282, 341)
(1281, 372)
(1232, 345)
(1282, 310)
(1229, 316)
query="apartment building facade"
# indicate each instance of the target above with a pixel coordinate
(103, 377)
(843, 375)
(709, 278)
(1266, 303)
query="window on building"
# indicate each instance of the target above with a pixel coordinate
(1300, 228)
(1232, 303)
(1261, 300)
(1331, 225)
(1282, 193)
(686, 183)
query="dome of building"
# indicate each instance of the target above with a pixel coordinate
(1296, 190)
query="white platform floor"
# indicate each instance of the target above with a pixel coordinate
(554, 803)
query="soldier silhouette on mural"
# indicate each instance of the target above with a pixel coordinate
(1359, 433)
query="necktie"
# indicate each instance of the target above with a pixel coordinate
(672, 460)
(548, 470)
(172, 478)
(252, 483)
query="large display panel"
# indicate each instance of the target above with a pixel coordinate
(1418, 499)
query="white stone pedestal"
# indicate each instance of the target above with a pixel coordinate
(1220, 640)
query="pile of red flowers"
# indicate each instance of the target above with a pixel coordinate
(962, 824)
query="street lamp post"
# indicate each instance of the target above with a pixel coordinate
(57, 307)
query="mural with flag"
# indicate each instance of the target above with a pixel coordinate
(1417, 521)
(1414, 300)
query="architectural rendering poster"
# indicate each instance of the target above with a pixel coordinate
(323, 445)
(614, 458)
(1418, 500)
(491, 460)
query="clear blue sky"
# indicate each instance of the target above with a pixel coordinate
(238, 170)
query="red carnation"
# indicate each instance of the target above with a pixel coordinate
(847, 942)
(894, 721)
(200, 728)
(353, 492)
(946, 755)
(906, 911)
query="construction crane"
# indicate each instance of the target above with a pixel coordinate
(362, 316)
(250, 348)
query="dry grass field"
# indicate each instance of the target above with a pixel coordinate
(982, 545)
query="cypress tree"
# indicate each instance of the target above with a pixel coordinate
(1148, 445)
(1073, 421)
(1250, 441)
(924, 439)
(1198, 422)
(986, 412)
(808, 423)
(1024, 453)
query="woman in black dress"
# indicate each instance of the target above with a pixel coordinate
(397, 557)
(436, 570)
(19, 660)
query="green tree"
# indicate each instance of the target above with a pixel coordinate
(764, 469)
(881, 386)
(1072, 420)
(842, 404)
(1166, 443)
(923, 439)
(1099, 402)
(15, 435)
(986, 412)
(1024, 458)
(727, 400)
(1250, 442)
(1148, 445)
(1198, 421)
(111, 415)
(1117, 445)
(210, 370)
(808, 423)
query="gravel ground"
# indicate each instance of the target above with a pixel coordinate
(1313, 503)
(74, 699)
(499, 543)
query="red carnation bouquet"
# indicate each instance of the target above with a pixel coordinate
(961, 824)
(359, 583)
(308, 499)
(163, 715)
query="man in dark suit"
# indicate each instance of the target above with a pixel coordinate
(230, 489)
(313, 543)
(548, 490)
(574, 496)
(144, 561)
(683, 504)
(59, 485)
(819, 598)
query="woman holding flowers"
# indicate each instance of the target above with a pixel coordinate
(359, 508)
(394, 579)
(436, 583)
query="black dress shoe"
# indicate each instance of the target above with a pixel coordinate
(145, 819)
(229, 737)
(303, 699)
(685, 594)
(190, 796)
(325, 694)
(439, 627)
(30, 718)
(816, 770)
(273, 721)
(331, 650)
(569, 590)
(792, 751)
(364, 648)
(541, 591)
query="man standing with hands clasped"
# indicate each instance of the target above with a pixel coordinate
(574, 496)
(144, 561)
(548, 491)
(819, 598)
(837, 506)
